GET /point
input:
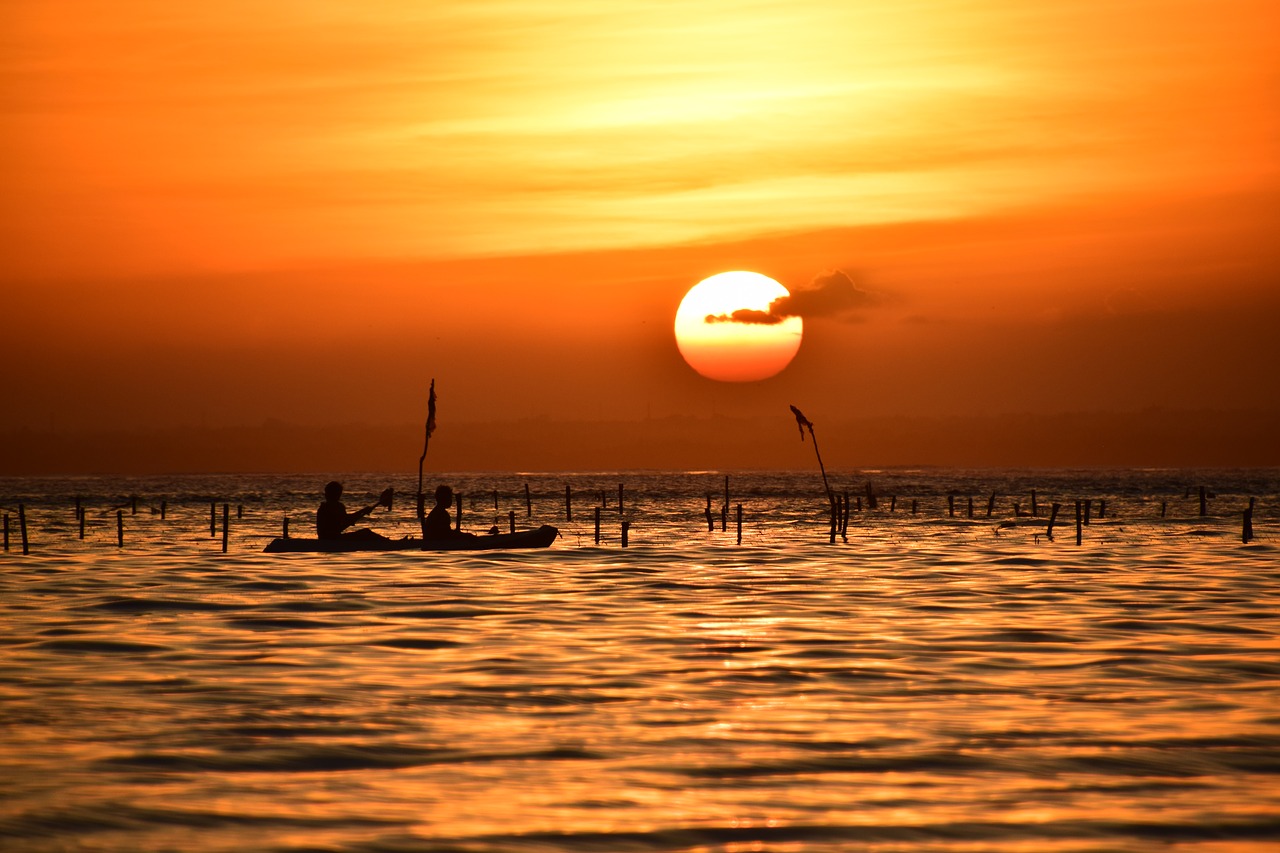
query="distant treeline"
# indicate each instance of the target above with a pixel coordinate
(1153, 438)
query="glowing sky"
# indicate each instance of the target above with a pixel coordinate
(281, 189)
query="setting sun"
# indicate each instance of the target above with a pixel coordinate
(727, 328)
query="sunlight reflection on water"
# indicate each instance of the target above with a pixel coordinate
(937, 683)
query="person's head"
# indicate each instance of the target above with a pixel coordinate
(444, 495)
(333, 491)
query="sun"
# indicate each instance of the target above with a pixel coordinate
(726, 330)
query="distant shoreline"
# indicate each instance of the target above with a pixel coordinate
(1154, 438)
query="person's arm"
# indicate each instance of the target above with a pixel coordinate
(383, 500)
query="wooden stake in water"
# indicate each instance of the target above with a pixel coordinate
(226, 525)
(285, 534)
(739, 524)
(1246, 534)
(1053, 516)
(597, 525)
(119, 529)
(213, 519)
(22, 527)
(1079, 524)
(626, 526)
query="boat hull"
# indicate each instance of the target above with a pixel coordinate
(540, 538)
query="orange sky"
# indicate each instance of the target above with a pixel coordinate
(236, 212)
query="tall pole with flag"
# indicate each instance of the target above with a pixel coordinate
(804, 423)
(431, 427)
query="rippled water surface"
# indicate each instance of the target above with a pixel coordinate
(940, 681)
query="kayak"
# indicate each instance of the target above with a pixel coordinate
(540, 538)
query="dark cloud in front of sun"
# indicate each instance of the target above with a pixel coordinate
(832, 294)
(749, 316)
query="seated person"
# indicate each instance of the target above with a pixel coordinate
(332, 518)
(436, 524)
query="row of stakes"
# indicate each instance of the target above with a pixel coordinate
(841, 509)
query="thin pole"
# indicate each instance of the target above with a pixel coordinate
(804, 423)
(430, 428)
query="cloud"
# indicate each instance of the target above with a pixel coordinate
(831, 294)
(749, 316)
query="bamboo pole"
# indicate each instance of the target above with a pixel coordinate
(804, 423)
(426, 440)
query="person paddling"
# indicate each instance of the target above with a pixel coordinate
(332, 518)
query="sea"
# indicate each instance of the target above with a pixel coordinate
(939, 672)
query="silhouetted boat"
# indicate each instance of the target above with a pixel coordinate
(540, 538)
